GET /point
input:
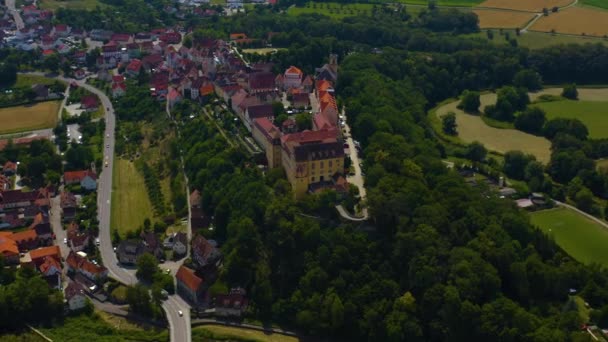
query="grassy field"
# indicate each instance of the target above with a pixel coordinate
(130, 203)
(232, 333)
(30, 117)
(525, 5)
(581, 237)
(596, 3)
(71, 4)
(332, 9)
(464, 3)
(29, 80)
(593, 114)
(263, 51)
(473, 128)
(602, 164)
(502, 19)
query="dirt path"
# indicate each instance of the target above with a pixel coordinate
(473, 128)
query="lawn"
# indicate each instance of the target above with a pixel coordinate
(71, 4)
(332, 9)
(238, 334)
(130, 203)
(594, 114)
(582, 238)
(29, 117)
(263, 51)
(30, 80)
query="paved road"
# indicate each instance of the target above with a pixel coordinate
(16, 15)
(179, 326)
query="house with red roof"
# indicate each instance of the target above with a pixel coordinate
(171, 37)
(90, 103)
(61, 30)
(81, 265)
(9, 168)
(122, 38)
(204, 254)
(174, 97)
(50, 266)
(189, 285)
(261, 81)
(86, 178)
(119, 89)
(134, 67)
(39, 255)
(8, 248)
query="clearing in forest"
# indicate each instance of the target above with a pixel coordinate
(575, 20)
(502, 19)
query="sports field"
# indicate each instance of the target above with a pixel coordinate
(575, 20)
(582, 238)
(333, 9)
(130, 202)
(29, 117)
(473, 128)
(593, 114)
(525, 5)
(502, 19)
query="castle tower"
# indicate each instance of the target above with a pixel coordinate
(333, 59)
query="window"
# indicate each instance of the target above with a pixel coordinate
(312, 179)
(321, 163)
(313, 165)
(330, 163)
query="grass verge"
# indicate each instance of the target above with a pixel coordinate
(238, 334)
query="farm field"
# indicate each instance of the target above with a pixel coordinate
(332, 9)
(473, 128)
(594, 114)
(539, 40)
(130, 202)
(582, 238)
(525, 5)
(502, 19)
(72, 4)
(29, 117)
(232, 333)
(575, 20)
(463, 3)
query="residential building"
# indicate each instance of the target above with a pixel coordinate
(50, 267)
(80, 265)
(86, 178)
(9, 249)
(232, 305)
(180, 244)
(269, 138)
(39, 255)
(189, 285)
(128, 251)
(75, 296)
(90, 103)
(292, 78)
(204, 254)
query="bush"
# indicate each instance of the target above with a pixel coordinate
(570, 92)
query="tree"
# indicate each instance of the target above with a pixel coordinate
(147, 266)
(515, 164)
(304, 121)
(570, 92)
(470, 101)
(509, 100)
(584, 199)
(531, 120)
(448, 123)
(573, 127)
(187, 42)
(476, 151)
(8, 74)
(139, 300)
(52, 63)
(528, 79)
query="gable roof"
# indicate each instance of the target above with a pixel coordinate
(293, 70)
(260, 111)
(48, 263)
(8, 246)
(24, 236)
(73, 289)
(78, 176)
(261, 80)
(187, 277)
(52, 251)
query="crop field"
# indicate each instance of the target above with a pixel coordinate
(582, 238)
(538, 40)
(130, 202)
(473, 128)
(29, 117)
(593, 114)
(332, 9)
(575, 20)
(502, 19)
(525, 5)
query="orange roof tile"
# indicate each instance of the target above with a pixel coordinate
(293, 70)
(46, 251)
(187, 276)
(26, 235)
(48, 263)
(8, 246)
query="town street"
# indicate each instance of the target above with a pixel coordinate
(16, 15)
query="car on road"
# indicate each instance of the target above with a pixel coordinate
(97, 241)
(107, 135)
(106, 163)
(65, 240)
(180, 313)
(108, 146)
(168, 270)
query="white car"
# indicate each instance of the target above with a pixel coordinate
(180, 313)
(65, 240)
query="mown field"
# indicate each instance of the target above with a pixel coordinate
(473, 128)
(575, 20)
(525, 5)
(464, 3)
(593, 114)
(502, 19)
(30, 80)
(29, 117)
(596, 3)
(130, 202)
(582, 238)
(204, 333)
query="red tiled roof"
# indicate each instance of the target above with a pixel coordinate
(90, 267)
(89, 101)
(207, 89)
(134, 65)
(9, 165)
(39, 253)
(78, 176)
(48, 263)
(293, 70)
(74, 260)
(234, 36)
(24, 236)
(8, 246)
(188, 278)
(118, 78)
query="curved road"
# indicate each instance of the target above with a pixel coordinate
(179, 326)
(16, 15)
